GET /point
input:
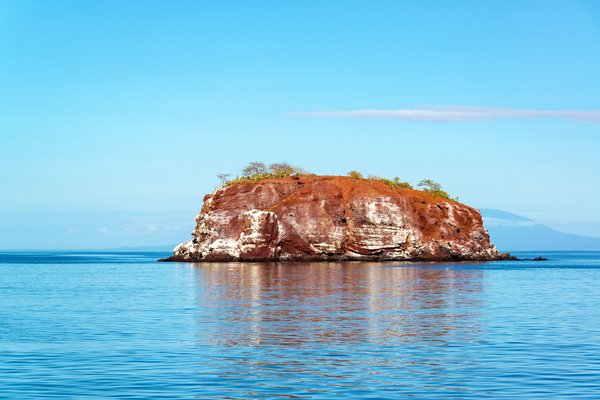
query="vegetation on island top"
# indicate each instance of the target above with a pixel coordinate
(429, 186)
(435, 189)
(257, 171)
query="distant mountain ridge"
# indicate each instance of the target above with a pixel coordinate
(512, 232)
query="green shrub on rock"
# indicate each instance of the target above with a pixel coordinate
(257, 171)
(395, 183)
(434, 189)
(355, 175)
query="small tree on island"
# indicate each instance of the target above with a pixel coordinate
(433, 188)
(223, 178)
(257, 171)
(254, 168)
(355, 175)
(284, 169)
(429, 185)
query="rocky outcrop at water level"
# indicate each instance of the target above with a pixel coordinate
(313, 218)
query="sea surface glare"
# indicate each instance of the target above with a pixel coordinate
(120, 325)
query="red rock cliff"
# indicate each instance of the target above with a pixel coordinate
(333, 218)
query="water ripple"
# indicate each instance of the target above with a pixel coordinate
(122, 326)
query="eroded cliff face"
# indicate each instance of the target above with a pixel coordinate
(333, 218)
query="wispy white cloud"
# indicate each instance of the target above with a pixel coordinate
(457, 114)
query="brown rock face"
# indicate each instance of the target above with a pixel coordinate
(308, 218)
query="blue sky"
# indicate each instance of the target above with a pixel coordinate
(115, 116)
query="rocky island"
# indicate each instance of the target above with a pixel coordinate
(295, 217)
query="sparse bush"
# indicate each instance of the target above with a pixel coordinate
(258, 171)
(429, 185)
(284, 169)
(355, 175)
(395, 183)
(254, 168)
(434, 189)
(249, 179)
(223, 178)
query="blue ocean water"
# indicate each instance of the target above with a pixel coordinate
(120, 325)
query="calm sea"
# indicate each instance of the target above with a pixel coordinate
(120, 325)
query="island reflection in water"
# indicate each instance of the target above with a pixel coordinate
(309, 304)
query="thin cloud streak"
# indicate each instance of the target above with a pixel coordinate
(458, 114)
